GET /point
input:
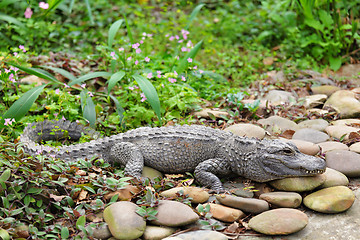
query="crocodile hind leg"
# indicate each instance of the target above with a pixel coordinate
(128, 155)
(206, 173)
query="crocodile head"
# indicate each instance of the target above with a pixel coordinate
(275, 159)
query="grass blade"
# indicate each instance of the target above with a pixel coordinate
(61, 71)
(52, 6)
(193, 15)
(19, 108)
(37, 72)
(88, 108)
(113, 30)
(89, 76)
(150, 93)
(119, 109)
(115, 78)
(192, 54)
(88, 7)
(128, 30)
(10, 19)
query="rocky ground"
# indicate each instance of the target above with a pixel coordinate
(321, 118)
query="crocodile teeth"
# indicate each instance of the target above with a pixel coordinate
(315, 171)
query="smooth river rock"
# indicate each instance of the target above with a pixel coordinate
(157, 233)
(247, 130)
(250, 205)
(174, 214)
(330, 200)
(298, 184)
(340, 131)
(317, 124)
(123, 221)
(306, 147)
(278, 124)
(355, 147)
(310, 135)
(208, 113)
(328, 90)
(332, 145)
(198, 195)
(344, 161)
(281, 221)
(314, 100)
(223, 213)
(345, 103)
(278, 97)
(282, 199)
(334, 178)
(199, 235)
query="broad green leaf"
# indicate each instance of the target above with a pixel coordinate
(88, 8)
(184, 61)
(150, 93)
(5, 175)
(90, 189)
(80, 222)
(37, 72)
(61, 71)
(65, 233)
(24, 103)
(115, 78)
(35, 190)
(326, 18)
(88, 108)
(193, 14)
(128, 30)
(119, 109)
(113, 30)
(335, 63)
(314, 24)
(89, 76)
(4, 235)
(10, 19)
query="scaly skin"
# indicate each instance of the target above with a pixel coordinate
(205, 151)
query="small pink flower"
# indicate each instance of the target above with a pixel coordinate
(136, 62)
(144, 34)
(22, 48)
(135, 45)
(149, 35)
(15, 69)
(175, 73)
(177, 37)
(121, 49)
(90, 94)
(129, 58)
(158, 74)
(141, 41)
(28, 13)
(189, 44)
(177, 57)
(183, 49)
(77, 121)
(131, 88)
(147, 59)
(136, 87)
(138, 50)
(171, 38)
(83, 85)
(166, 35)
(57, 91)
(183, 78)
(143, 97)
(43, 5)
(201, 71)
(63, 118)
(56, 114)
(15, 54)
(189, 60)
(66, 86)
(150, 75)
(11, 78)
(195, 67)
(7, 70)
(172, 80)
(184, 36)
(112, 54)
(9, 121)
(180, 41)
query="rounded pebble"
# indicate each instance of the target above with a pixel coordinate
(332, 145)
(281, 221)
(199, 235)
(355, 147)
(330, 200)
(282, 199)
(151, 173)
(278, 124)
(250, 205)
(344, 161)
(247, 130)
(316, 124)
(157, 233)
(225, 214)
(123, 221)
(340, 131)
(325, 89)
(334, 178)
(306, 147)
(310, 135)
(298, 184)
(174, 214)
(198, 195)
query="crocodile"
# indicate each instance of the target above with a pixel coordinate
(207, 152)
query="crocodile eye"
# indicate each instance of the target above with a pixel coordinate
(287, 151)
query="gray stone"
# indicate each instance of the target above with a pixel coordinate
(314, 100)
(298, 184)
(278, 124)
(346, 121)
(282, 199)
(345, 103)
(334, 178)
(282, 221)
(247, 130)
(199, 235)
(239, 189)
(123, 221)
(344, 161)
(332, 145)
(330, 200)
(310, 135)
(208, 113)
(340, 131)
(223, 213)
(355, 147)
(250, 205)
(174, 214)
(101, 231)
(198, 195)
(317, 124)
(279, 97)
(157, 233)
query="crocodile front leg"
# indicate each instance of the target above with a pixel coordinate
(206, 173)
(128, 155)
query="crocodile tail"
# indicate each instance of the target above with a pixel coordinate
(35, 133)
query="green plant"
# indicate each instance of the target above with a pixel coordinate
(208, 222)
